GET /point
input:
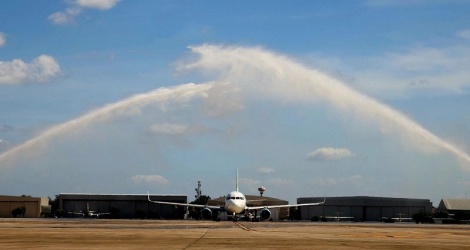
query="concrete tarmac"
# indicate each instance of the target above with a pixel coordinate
(179, 234)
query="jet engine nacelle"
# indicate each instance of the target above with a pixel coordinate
(206, 214)
(265, 214)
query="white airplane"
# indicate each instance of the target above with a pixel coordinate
(88, 213)
(235, 203)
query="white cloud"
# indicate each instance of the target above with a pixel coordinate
(41, 69)
(97, 4)
(464, 34)
(68, 16)
(65, 17)
(330, 154)
(409, 71)
(265, 170)
(413, 70)
(151, 179)
(3, 39)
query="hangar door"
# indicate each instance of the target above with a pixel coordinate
(372, 213)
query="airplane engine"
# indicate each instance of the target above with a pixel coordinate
(265, 214)
(206, 214)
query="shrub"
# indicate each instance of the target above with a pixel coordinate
(18, 211)
(315, 218)
(422, 217)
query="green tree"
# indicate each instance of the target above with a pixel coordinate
(59, 213)
(202, 200)
(54, 203)
(18, 211)
(315, 218)
(294, 213)
(46, 211)
(196, 212)
(422, 217)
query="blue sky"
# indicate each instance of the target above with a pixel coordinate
(304, 97)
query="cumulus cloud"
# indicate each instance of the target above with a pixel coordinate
(150, 179)
(265, 170)
(41, 69)
(65, 17)
(68, 15)
(97, 4)
(3, 39)
(330, 154)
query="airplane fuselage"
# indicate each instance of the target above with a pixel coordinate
(235, 202)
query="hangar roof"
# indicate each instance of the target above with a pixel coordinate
(455, 204)
(133, 197)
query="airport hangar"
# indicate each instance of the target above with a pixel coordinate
(34, 206)
(363, 208)
(453, 206)
(355, 208)
(123, 205)
(134, 205)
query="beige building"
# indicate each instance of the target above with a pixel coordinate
(33, 205)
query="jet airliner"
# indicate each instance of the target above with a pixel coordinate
(235, 204)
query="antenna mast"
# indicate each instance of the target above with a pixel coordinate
(198, 190)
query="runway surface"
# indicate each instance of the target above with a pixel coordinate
(164, 234)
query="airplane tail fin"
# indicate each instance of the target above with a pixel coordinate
(236, 182)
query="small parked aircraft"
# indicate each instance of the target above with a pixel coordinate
(88, 213)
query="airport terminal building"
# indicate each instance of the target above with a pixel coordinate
(123, 205)
(363, 208)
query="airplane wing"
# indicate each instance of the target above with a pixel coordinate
(281, 206)
(100, 213)
(182, 204)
